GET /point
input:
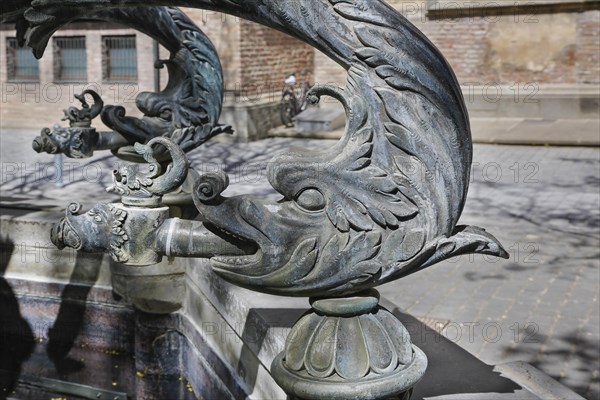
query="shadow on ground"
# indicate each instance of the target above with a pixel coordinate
(584, 356)
(70, 319)
(16, 336)
(451, 370)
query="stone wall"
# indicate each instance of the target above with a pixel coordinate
(544, 44)
(508, 49)
(514, 59)
(328, 71)
(268, 56)
(588, 47)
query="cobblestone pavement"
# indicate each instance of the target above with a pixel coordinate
(541, 305)
(543, 203)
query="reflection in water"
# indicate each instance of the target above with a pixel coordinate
(16, 336)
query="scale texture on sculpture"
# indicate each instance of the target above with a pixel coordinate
(382, 203)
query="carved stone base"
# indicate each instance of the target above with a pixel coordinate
(349, 348)
(403, 396)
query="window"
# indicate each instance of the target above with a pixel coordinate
(119, 59)
(20, 62)
(70, 64)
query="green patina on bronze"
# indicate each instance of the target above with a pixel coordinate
(382, 203)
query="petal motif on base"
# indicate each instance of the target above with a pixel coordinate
(299, 339)
(398, 334)
(382, 352)
(352, 356)
(320, 356)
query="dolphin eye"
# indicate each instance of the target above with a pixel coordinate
(166, 114)
(311, 199)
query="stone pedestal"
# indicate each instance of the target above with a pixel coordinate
(349, 348)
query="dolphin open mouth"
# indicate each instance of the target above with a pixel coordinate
(252, 226)
(236, 264)
(285, 252)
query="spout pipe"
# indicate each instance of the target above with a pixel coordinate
(190, 238)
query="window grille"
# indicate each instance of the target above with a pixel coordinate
(70, 59)
(119, 59)
(21, 65)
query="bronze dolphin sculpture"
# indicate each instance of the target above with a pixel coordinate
(382, 203)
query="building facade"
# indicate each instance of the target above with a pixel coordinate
(117, 62)
(513, 58)
(110, 59)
